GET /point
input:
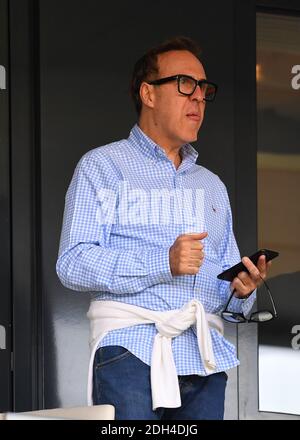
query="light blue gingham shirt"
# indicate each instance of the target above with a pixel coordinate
(129, 261)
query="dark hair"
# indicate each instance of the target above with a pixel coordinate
(146, 67)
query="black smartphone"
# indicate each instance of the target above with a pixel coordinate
(233, 271)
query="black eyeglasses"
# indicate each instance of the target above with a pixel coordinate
(186, 85)
(259, 316)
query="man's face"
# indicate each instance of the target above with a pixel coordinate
(177, 117)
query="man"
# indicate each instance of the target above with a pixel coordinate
(148, 231)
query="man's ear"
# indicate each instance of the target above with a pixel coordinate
(147, 94)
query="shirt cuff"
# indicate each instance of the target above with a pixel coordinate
(248, 303)
(159, 266)
(243, 305)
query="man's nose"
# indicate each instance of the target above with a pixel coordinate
(198, 94)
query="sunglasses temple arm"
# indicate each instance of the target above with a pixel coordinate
(273, 304)
(270, 296)
(227, 304)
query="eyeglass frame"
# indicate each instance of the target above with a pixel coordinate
(198, 82)
(241, 315)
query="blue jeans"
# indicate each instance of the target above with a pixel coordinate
(123, 380)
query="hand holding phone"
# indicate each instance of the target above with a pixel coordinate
(233, 271)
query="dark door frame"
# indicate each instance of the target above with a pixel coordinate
(5, 217)
(25, 200)
(246, 184)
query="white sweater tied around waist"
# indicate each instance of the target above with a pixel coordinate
(111, 315)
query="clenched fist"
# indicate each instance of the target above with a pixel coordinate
(186, 254)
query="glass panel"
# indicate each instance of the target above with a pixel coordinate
(278, 116)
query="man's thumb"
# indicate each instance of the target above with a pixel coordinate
(198, 236)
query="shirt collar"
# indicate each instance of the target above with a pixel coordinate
(148, 147)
